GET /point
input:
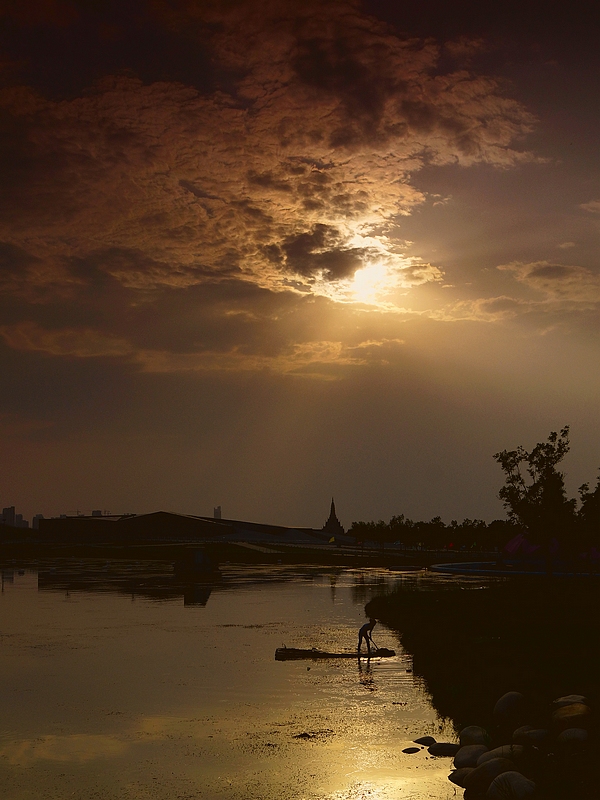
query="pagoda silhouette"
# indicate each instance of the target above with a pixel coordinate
(333, 526)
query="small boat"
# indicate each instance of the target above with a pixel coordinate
(295, 653)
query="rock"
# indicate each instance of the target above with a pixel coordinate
(482, 776)
(443, 749)
(528, 736)
(522, 729)
(473, 795)
(569, 699)
(412, 750)
(574, 715)
(510, 786)
(473, 735)
(458, 776)
(511, 751)
(572, 739)
(467, 756)
(425, 740)
(510, 709)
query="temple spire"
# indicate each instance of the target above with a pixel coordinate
(333, 525)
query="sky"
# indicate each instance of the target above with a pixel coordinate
(257, 254)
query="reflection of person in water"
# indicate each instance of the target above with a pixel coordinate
(365, 633)
(365, 675)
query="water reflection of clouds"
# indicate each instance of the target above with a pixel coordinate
(84, 747)
(154, 728)
(75, 748)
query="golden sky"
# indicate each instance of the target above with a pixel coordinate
(254, 253)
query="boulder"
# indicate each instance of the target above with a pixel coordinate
(528, 736)
(514, 752)
(443, 749)
(510, 710)
(574, 715)
(473, 734)
(510, 786)
(458, 776)
(467, 756)
(481, 777)
(572, 740)
(569, 699)
(427, 741)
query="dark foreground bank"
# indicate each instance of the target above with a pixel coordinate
(473, 643)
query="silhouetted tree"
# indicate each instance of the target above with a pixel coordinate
(433, 533)
(538, 500)
(501, 531)
(588, 515)
(370, 531)
(403, 530)
(469, 534)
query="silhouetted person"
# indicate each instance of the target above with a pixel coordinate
(365, 633)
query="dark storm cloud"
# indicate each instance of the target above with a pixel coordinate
(61, 48)
(318, 252)
(523, 27)
(13, 261)
(380, 101)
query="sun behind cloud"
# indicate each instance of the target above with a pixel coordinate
(371, 282)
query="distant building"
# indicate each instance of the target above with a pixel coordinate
(97, 513)
(217, 512)
(333, 526)
(124, 528)
(35, 522)
(8, 516)
(11, 519)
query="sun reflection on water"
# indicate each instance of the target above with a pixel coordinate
(189, 701)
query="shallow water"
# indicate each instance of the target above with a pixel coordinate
(119, 683)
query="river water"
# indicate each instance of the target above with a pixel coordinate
(119, 683)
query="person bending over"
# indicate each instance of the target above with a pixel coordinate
(365, 633)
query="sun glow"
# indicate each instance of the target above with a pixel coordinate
(370, 283)
(385, 274)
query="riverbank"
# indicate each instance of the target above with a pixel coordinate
(474, 641)
(244, 553)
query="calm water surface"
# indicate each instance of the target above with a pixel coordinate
(117, 683)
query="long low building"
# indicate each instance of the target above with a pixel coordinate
(164, 526)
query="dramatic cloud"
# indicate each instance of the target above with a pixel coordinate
(556, 295)
(558, 281)
(291, 180)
